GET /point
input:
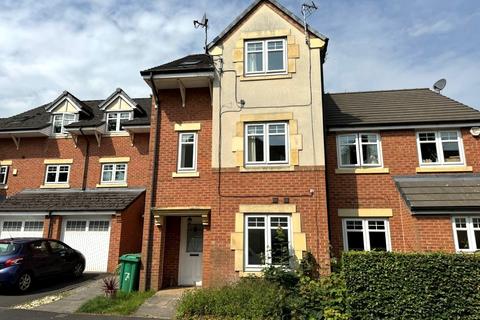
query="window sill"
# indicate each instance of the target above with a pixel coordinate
(265, 77)
(113, 185)
(444, 169)
(61, 136)
(3, 187)
(362, 170)
(55, 186)
(244, 274)
(267, 169)
(195, 174)
(116, 134)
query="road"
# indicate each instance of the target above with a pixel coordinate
(44, 288)
(12, 314)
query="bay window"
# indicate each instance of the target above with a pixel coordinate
(61, 120)
(466, 233)
(359, 150)
(267, 240)
(187, 152)
(266, 143)
(366, 234)
(265, 56)
(440, 148)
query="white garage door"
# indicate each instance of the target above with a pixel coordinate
(90, 236)
(21, 227)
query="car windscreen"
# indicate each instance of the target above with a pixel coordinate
(8, 248)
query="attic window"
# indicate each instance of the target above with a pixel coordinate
(115, 120)
(61, 120)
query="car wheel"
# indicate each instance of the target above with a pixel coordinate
(78, 270)
(24, 282)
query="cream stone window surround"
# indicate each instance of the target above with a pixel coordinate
(299, 242)
(295, 141)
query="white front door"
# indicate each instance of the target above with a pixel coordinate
(191, 248)
(90, 236)
(21, 227)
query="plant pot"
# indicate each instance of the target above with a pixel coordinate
(110, 294)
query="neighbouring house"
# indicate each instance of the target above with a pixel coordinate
(234, 146)
(76, 171)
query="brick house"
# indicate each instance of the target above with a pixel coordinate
(235, 146)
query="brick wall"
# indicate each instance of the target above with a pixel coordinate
(408, 233)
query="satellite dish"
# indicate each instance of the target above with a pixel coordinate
(439, 85)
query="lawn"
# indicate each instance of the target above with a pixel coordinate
(123, 304)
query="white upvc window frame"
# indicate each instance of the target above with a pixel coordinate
(264, 51)
(117, 119)
(268, 238)
(4, 172)
(266, 144)
(57, 173)
(179, 151)
(365, 230)
(114, 171)
(63, 121)
(439, 147)
(358, 147)
(470, 228)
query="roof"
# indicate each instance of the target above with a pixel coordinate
(437, 194)
(70, 200)
(253, 6)
(39, 118)
(395, 107)
(190, 63)
(65, 94)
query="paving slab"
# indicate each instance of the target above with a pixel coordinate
(162, 305)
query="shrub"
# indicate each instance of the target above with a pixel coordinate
(412, 286)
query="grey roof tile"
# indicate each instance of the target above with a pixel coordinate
(190, 63)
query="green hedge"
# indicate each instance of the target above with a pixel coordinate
(412, 286)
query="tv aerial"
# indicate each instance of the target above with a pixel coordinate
(307, 11)
(203, 24)
(439, 85)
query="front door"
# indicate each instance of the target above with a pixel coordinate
(191, 248)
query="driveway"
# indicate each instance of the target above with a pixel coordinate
(11, 314)
(45, 288)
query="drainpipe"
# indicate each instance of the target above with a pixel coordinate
(153, 183)
(85, 161)
(50, 223)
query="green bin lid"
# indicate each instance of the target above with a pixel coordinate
(131, 257)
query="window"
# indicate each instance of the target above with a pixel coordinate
(27, 226)
(61, 120)
(57, 174)
(267, 240)
(3, 174)
(187, 152)
(114, 173)
(266, 143)
(359, 150)
(366, 234)
(39, 248)
(12, 226)
(466, 233)
(265, 56)
(76, 225)
(440, 148)
(98, 225)
(57, 247)
(116, 119)
(33, 226)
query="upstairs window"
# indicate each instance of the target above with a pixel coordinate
(266, 143)
(57, 174)
(466, 233)
(187, 152)
(113, 173)
(61, 120)
(265, 56)
(366, 234)
(440, 148)
(115, 120)
(3, 174)
(359, 150)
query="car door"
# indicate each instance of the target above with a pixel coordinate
(41, 259)
(62, 256)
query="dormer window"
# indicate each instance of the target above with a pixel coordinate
(265, 57)
(61, 120)
(116, 119)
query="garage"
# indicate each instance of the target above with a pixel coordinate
(91, 236)
(21, 227)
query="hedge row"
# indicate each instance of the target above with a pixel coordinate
(412, 286)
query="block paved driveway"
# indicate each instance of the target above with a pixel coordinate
(44, 288)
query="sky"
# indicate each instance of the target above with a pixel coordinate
(90, 48)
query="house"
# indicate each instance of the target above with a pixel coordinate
(234, 147)
(75, 170)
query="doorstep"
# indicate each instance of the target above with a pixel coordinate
(162, 305)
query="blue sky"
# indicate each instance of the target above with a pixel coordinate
(92, 47)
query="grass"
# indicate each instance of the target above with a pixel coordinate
(123, 304)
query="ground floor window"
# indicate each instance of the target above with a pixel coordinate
(267, 240)
(466, 233)
(366, 234)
